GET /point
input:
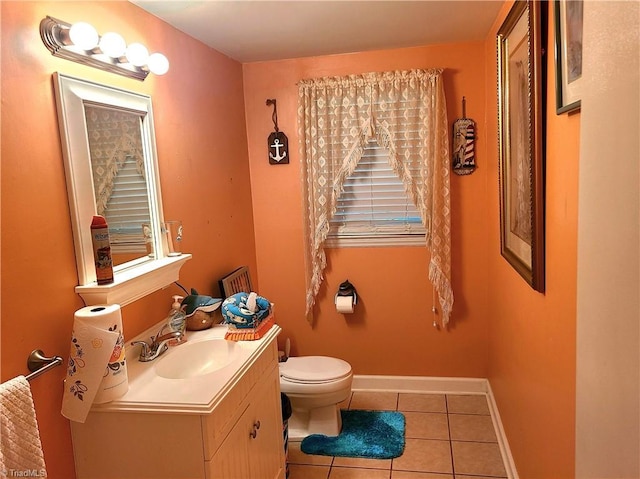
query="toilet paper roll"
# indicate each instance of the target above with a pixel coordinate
(97, 370)
(344, 304)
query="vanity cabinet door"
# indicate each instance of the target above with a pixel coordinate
(230, 461)
(254, 449)
(266, 451)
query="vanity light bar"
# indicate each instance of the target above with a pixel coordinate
(81, 43)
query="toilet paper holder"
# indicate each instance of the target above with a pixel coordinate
(347, 289)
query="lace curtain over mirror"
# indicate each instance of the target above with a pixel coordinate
(114, 137)
(405, 112)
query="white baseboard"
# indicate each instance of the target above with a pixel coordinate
(436, 385)
(509, 463)
(419, 384)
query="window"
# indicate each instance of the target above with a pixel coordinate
(374, 208)
(405, 111)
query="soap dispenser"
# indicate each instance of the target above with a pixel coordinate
(176, 319)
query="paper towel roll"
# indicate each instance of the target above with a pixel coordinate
(97, 370)
(344, 304)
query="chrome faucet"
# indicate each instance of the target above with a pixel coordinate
(159, 344)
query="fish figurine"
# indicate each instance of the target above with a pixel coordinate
(198, 310)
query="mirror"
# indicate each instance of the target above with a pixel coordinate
(119, 179)
(111, 169)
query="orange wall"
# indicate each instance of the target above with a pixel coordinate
(523, 341)
(391, 331)
(201, 139)
(532, 336)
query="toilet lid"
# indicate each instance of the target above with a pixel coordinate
(314, 369)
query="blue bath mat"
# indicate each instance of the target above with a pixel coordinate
(371, 434)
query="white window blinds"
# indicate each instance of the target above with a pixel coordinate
(127, 209)
(374, 202)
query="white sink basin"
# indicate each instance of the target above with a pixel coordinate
(196, 359)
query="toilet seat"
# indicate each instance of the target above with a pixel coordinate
(314, 370)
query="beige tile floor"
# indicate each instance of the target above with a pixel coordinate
(448, 436)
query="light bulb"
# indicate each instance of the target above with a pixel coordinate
(113, 45)
(158, 64)
(83, 36)
(137, 54)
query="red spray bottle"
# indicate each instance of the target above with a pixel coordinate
(101, 250)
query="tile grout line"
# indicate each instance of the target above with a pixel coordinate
(446, 405)
(405, 432)
(333, 458)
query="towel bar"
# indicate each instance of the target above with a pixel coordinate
(38, 363)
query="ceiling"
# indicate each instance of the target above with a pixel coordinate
(250, 31)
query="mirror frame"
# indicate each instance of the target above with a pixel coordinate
(71, 96)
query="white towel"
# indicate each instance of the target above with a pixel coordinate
(21, 451)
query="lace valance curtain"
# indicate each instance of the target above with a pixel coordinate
(405, 111)
(113, 137)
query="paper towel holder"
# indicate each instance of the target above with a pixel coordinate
(347, 289)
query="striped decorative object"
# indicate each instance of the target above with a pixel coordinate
(464, 137)
(470, 136)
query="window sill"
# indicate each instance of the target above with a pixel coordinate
(134, 283)
(375, 241)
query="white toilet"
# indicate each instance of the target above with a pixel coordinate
(315, 385)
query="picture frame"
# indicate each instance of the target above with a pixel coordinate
(568, 18)
(521, 140)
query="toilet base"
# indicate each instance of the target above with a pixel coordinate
(322, 420)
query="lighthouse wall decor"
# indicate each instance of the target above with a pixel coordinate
(278, 143)
(464, 138)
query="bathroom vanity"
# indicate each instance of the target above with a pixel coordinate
(206, 409)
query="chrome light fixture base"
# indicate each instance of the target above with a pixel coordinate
(55, 36)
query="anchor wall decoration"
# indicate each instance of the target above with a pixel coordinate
(278, 143)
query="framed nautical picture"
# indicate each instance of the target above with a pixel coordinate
(568, 52)
(520, 135)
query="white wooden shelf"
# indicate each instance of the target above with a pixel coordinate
(135, 283)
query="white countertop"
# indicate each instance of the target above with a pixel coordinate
(149, 392)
